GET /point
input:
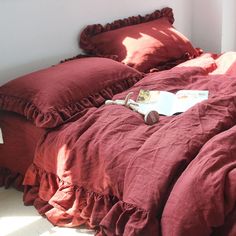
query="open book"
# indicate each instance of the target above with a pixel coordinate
(166, 103)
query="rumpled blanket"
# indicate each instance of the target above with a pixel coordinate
(116, 174)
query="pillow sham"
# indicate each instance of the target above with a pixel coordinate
(51, 96)
(140, 42)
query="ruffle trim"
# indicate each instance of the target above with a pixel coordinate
(9, 178)
(58, 116)
(165, 66)
(71, 206)
(92, 30)
(170, 64)
(79, 56)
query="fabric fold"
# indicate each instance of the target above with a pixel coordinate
(67, 205)
(127, 219)
(10, 178)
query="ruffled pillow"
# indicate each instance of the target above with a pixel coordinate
(141, 42)
(51, 96)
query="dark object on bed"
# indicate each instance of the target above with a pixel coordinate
(143, 42)
(114, 173)
(51, 96)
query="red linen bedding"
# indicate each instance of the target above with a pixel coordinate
(205, 194)
(16, 154)
(113, 172)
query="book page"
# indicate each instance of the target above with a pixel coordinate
(184, 99)
(1, 138)
(160, 101)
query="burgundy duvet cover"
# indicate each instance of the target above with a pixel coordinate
(116, 174)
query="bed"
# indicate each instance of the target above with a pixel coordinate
(109, 170)
(50, 97)
(104, 167)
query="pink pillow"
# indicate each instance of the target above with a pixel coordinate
(51, 96)
(140, 42)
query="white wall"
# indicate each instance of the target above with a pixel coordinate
(228, 42)
(207, 24)
(38, 33)
(213, 25)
